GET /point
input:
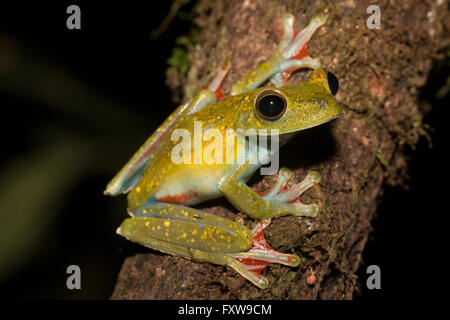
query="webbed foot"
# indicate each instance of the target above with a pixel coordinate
(288, 200)
(250, 263)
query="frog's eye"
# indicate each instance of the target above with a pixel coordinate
(333, 83)
(270, 105)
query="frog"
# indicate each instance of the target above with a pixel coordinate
(162, 194)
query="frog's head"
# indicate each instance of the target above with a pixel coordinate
(295, 107)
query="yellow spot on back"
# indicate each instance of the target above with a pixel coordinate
(166, 223)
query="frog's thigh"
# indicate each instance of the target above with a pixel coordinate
(163, 246)
(185, 228)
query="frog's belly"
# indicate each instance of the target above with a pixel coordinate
(190, 187)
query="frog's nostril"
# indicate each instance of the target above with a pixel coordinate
(321, 103)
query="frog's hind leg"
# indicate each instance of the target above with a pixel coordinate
(167, 227)
(204, 237)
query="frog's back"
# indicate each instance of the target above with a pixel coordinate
(187, 183)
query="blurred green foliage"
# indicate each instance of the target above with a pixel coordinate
(179, 58)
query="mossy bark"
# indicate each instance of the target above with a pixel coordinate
(380, 72)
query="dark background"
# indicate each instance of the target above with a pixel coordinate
(91, 97)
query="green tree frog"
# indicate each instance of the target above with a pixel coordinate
(161, 192)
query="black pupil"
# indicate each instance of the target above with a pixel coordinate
(333, 83)
(271, 105)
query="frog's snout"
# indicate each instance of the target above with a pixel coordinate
(337, 109)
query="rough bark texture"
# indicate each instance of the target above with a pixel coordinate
(380, 72)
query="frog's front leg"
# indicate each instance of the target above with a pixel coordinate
(278, 202)
(290, 56)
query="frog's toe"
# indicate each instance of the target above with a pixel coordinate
(297, 47)
(288, 31)
(309, 210)
(283, 177)
(279, 193)
(216, 83)
(250, 274)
